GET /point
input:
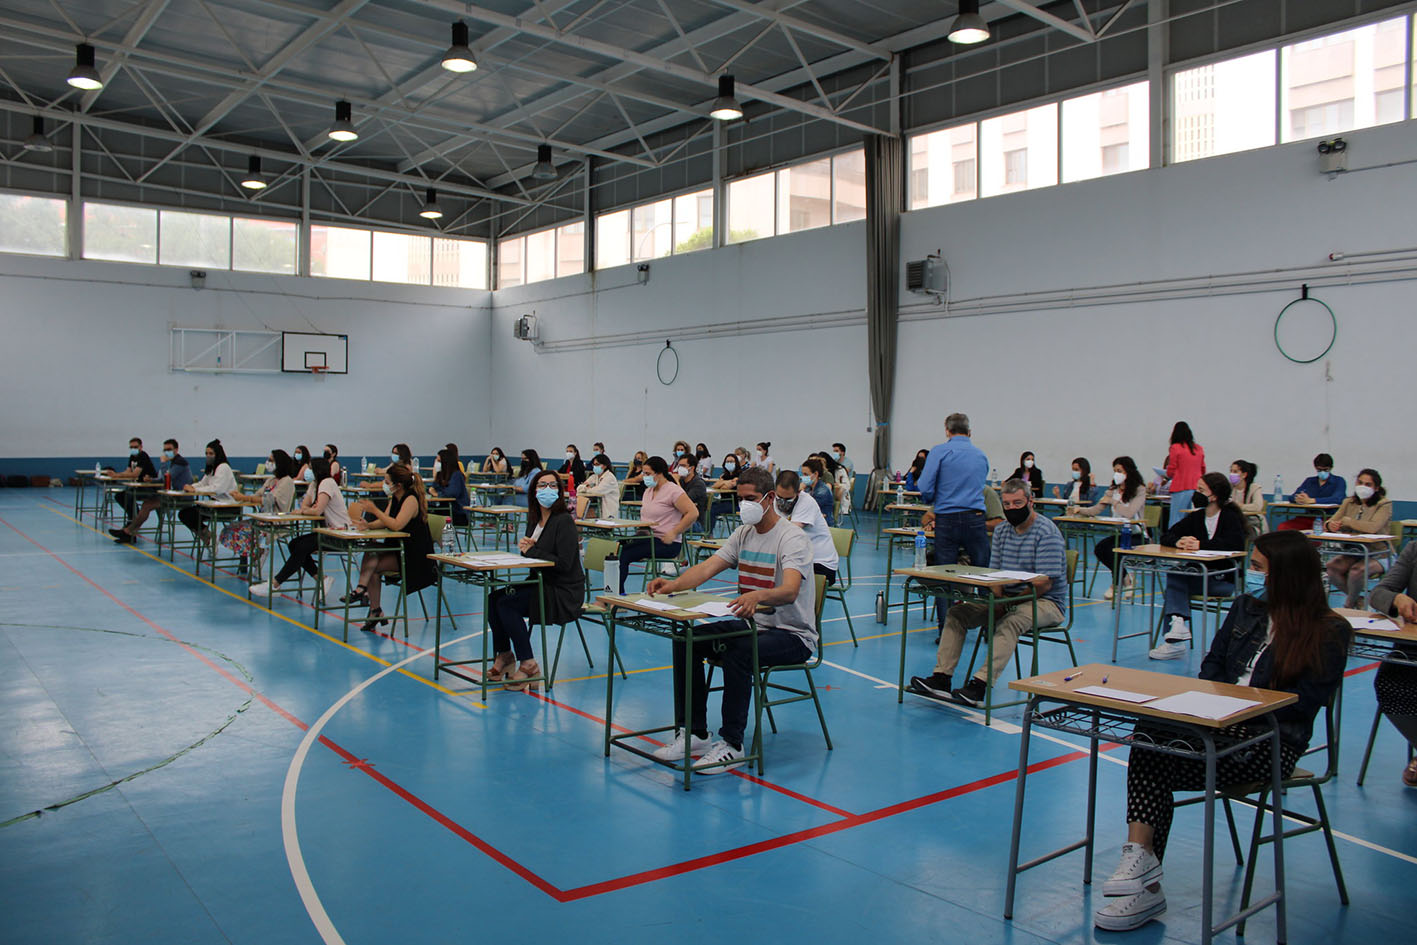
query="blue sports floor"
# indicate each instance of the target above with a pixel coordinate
(210, 771)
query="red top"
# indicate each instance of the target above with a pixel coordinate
(1183, 467)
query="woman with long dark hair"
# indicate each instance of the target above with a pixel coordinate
(218, 482)
(1029, 472)
(670, 512)
(1285, 639)
(277, 494)
(1080, 492)
(1185, 464)
(521, 485)
(1214, 525)
(550, 535)
(1248, 495)
(449, 482)
(574, 466)
(323, 497)
(1125, 499)
(407, 512)
(1368, 511)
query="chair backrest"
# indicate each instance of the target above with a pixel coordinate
(1072, 555)
(1330, 742)
(260, 469)
(843, 540)
(821, 599)
(436, 524)
(1151, 514)
(596, 551)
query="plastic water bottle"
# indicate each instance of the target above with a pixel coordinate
(900, 493)
(1318, 524)
(1125, 539)
(920, 548)
(993, 475)
(97, 469)
(1278, 488)
(415, 465)
(364, 464)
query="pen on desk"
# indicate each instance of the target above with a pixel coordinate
(1072, 677)
(1104, 679)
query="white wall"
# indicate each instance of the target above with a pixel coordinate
(1093, 380)
(85, 363)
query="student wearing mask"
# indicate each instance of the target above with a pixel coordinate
(301, 458)
(1029, 472)
(550, 535)
(840, 481)
(764, 459)
(496, 462)
(323, 497)
(597, 448)
(457, 457)
(276, 494)
(732, 467)
(174, 464)
(839, 454)
(1368, 511)
(1215, 524)
(774, 562)
(1125, 499)
(1396, 684)
(637, 468)
(600, 484)
(531, 465)
(399, 453)
(449, 482)
(573, 466)
(670, 513)
(218, 481)
(407, 512)
(140, 467)
(336, 472)
(1185, 464)
(813, 483)
(703, 460)
(1080, 492)
(796, 505)
(1248, 496)
(690, 481)
(681, 449)
(1286, 640)
(1322, 487)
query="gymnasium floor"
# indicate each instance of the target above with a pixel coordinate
(279, 786)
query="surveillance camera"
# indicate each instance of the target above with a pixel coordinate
(1338, 145)
(198, 277)
(1324, 147)
(643, 267)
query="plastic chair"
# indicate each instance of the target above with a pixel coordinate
(1052, 633)
(766, 687)
(260, 469)
(436, 524)
(592, 559)
(843, 539)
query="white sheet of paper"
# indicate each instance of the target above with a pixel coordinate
(1011, 575)
(1122, 695)
(1372, 623)
(503, 559)
(1348, 536)
(653, 604)
(1209, 554)
(713, 608)
(1160, 473)
(1202, 705)
(605, 521)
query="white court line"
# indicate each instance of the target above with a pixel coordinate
(289, 834)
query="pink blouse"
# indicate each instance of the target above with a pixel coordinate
(659, 508)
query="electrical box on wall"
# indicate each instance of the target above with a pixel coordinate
(525, 328)
(928, 276)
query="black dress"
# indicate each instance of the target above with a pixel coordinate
(418, 570)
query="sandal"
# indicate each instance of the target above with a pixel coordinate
(1409, 774)
(376, 619)
(527, 669)
(500, 665)
(358, 597)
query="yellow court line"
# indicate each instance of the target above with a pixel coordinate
(266, 610)
(628, 672)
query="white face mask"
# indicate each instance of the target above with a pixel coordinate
(1364, 492)
(751, 513)
(570, 456)
(437, 466)
(1028, 464)
(1119, 477)
(388, 489)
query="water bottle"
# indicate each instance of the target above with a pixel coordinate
(920, 548)
(1125, 539)
(993, 475)
(364, 464)
(415, 465)
(97, 469)
(1278, 488)
(1318, 524)
(900, 493)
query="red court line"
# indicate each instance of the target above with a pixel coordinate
(595, 889)
(1361, 669)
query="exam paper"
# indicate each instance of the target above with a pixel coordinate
(653, 604)
(1011, 575)
(1202, 705)
(1372, 623)
(606, 522)
(1209, 554)
(1122, 695)
(713, 608)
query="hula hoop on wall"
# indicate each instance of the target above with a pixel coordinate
(659, 364)
(1333, 322)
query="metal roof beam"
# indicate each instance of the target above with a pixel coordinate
(762, 12)
(133, 37)
(1072, 29)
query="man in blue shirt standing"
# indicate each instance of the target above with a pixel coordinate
(953, 482)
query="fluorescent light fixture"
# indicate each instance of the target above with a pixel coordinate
(84, 75)
(969, 27)
(544, 169)
(726, 107)
(254, 179)
(459, 58)
(430, 209)
(343, 128)
(38, 142)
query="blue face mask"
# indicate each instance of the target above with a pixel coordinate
(169, 454)
(1323, 475)
(309, 475)
(678, 453)
(546, 497)
(1254, 584)
(649, 481)
(393, 457)
(133, 451)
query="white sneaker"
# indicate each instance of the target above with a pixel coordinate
(329, 586)
(674, 751)
(260, 590)
(1138, 869)
(1180, 631)
(1107, 595)
(1168, 651)
(722, 756)
(1124, 913)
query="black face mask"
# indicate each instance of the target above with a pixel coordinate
(785, 506)
(1017, 516)
(327, 454)
(1199, 501)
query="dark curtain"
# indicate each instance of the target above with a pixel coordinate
(885, 196)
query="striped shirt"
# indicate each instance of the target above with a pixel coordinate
(1040, 550)
(762, 560)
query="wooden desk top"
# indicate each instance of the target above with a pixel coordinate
(354, 534)
(487, 561)
(1405, 632)
(439, 498)
(1098, 520)
(1357, 538)
(486, 475)
(132, 483)
(1051, 685)
(909, 532)
(1408, 522)
(967, 575)
(211, 504)
(708, 542)
(910, 507)
(1048, 501)
(1303, 505)
(261, 476)
(495, 509)
(608, 523)
(892, 492)
(682, 600)
(276, 518)
(1167, 551)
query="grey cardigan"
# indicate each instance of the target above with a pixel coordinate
(1401, 578)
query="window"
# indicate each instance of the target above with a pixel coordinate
(122, 234)
(1223, 107)
(849, 187)
(461, 263)
(652, 232)
(338, 252)
(1337, 83)
(570, 249)
(34, 225)
(942, 166)
(510, 271)
(751, 208)
(403, 257)
(804, 196)
(264, 245)
(194, 239)
(693, 221)
(541, 256)
(612, 239)
(1106, 132)
(1019, 151)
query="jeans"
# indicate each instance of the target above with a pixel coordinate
(302, 555)
(190, 517)
(956, 532)
(1180, 505)
(507, 609)
(1011, 621)
(1180, 587)
(825, 572)
(639, 550)
(775, 648)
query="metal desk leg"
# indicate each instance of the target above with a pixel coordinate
(690, 661)
(1208, 844)
(1020, 784)
(1091, 800)
(610, 676)
(904, 621)
(1277, 804)
(438, 626)
(487, 582)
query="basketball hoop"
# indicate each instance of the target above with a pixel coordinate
(319, 370)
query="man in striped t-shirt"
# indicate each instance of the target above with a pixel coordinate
(1029, 542)
(774, 562)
